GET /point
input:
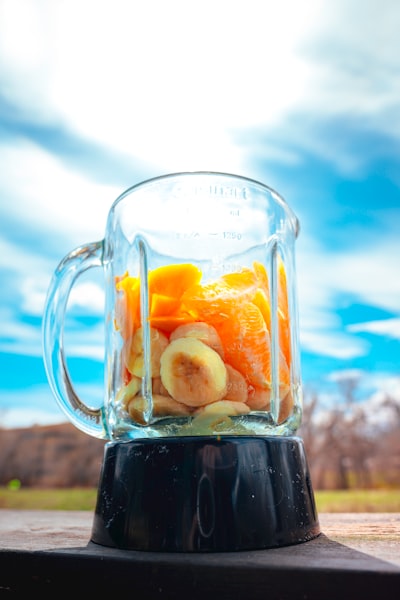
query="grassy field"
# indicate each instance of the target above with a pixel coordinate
(48, 499)
(357, 500)
(85, 499)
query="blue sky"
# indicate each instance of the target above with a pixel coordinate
(98, 96)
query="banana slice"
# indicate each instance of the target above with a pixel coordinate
(202, 331)
(227, 408)
(163, 406)
(128, 391)
(285, 407)
(259, 398)
(237, 387)
(192, 372)
(216, 417)
(135, 360)
(158, 387)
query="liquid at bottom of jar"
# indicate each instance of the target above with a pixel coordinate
(256, 423)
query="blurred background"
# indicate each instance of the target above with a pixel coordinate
(96, 96)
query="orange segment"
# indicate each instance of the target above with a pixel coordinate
(246, 342)
(127, 305)
(261, 297)
(168, 323)
(243, 280)
(283, 314)
(166, 285)
(236, 304)
(163, 305)
(284, 336)
(262, 300)
(211, 300)
(173, 280)
(282, 289)
(262, 277)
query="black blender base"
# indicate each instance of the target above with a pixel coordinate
(196, 494)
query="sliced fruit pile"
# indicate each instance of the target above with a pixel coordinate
(209, 342)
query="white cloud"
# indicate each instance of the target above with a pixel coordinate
(387, 384)
(387, 327)
(18, 337)
(84, 341)
(24, 339)
(355, 55)
(88, 295)
(346, 375)
(382, 407)
(85, 349)
(31, 406)
(352, 86)
(20, 417)
(173, 90)
(165, 89)
(379, 399)
(370, 274)
(176, 92)
(36, 405)
(30, 282)
(333, 344)
(21, 260)
(45, 195)
(33, 289)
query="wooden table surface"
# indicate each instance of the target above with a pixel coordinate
(357, 555)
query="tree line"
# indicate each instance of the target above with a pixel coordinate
(344, 448)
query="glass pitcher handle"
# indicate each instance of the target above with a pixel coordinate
(89, 420)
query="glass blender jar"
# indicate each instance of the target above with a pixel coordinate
(203, 392)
